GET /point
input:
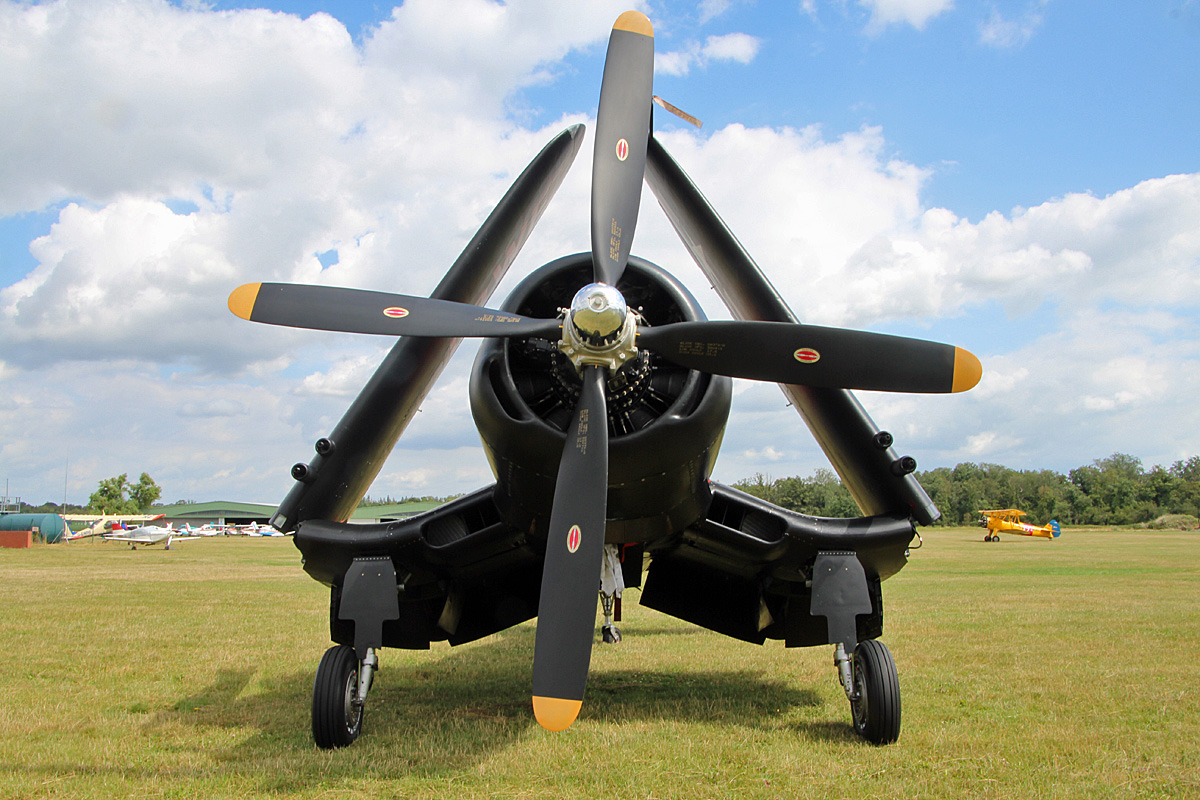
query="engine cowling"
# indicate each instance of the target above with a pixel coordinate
(665, 422)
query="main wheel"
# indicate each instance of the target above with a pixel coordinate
(876, 712)
(336, 722)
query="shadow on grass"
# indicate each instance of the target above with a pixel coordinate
(457, 708)
(222, 692)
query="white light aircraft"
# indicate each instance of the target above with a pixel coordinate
(98, 524)
(148, 535)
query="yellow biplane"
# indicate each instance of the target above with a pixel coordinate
(1009, 521)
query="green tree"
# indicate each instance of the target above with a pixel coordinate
(827, 496)
(119, 496)
(1110, 491)
(1119, 489)
(109, 497)
(1187, 492)
(822, 495)
(761, 486)
(145, 492)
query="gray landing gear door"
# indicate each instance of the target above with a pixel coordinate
(369, 599)
(840, 594)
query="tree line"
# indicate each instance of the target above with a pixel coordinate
(120, 495)
(1116, 490)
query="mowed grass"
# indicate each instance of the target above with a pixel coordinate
(1028, 669)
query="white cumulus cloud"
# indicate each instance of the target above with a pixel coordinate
(737, 47)
(911, 12)
(1003, 31)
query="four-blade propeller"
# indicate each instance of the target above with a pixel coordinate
(780, 352)
(597, 325)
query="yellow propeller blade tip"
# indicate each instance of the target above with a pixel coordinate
(967, 370)
(555, 713)
(634, 22)
(241, 299)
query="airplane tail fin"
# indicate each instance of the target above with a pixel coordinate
(1055, 529)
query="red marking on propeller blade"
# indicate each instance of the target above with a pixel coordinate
(622, 150)
(806, 355)
(395, 312)
(574, 537)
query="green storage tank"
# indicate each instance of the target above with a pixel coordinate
(50, 528)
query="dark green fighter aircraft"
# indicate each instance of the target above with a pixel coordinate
(601, 394)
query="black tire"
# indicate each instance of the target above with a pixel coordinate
(335, 721)
(877, 711)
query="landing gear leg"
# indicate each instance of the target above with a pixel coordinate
(612, 583)
(873, 688)
(609, 632)
(340, 695)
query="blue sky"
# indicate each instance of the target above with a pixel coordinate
(1019, 178)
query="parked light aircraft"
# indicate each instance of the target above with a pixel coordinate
(601, 394)
(252, 529)
(96, 528)
(207, 529)
(99, 523)
(1008, 520)
(148, 535)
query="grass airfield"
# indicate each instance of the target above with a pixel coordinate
(1028, 668)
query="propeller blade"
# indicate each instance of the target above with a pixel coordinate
(574, 551)
(330, 308)
(810, 355)
(622, 132)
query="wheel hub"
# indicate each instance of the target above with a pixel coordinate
(353, 707)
